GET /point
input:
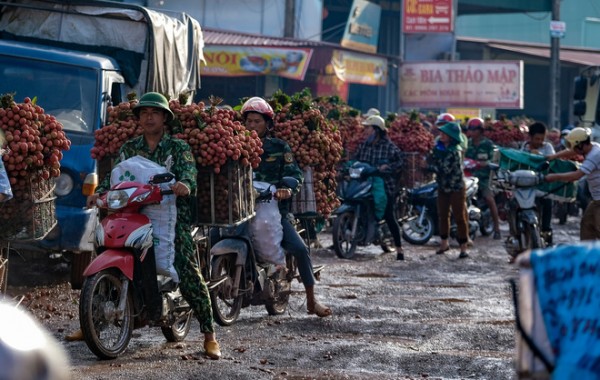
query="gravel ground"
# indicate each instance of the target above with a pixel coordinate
(428, 317)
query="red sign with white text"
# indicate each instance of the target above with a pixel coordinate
(427, 16)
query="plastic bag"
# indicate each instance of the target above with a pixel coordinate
(163, 215)
(266, 230)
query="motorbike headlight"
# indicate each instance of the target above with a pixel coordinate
(116, 199)
(355, 172)
(64, 185)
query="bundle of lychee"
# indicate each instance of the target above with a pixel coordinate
(34, 144)
(216, 136)
(408, 133)
(314, 140)
(346, 119)
(504, 132)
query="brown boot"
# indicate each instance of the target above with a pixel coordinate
(75, 336)
(212, 349)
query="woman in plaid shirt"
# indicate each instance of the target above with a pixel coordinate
(380, 152)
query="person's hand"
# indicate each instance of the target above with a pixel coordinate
(91, 200)
(3, 197)
(550, 177)
(383, 167)
(281, 194)
(180, 189)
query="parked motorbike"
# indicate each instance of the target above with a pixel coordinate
(122, 290)
(242, 279)
(519, 189)
(422, 221)
(355, 222)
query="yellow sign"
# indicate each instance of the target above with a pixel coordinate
(233, 61)
(359, 68)
(464, 114)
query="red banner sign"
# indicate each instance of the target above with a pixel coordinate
(427, 16)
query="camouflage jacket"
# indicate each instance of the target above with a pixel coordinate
(184, 165)
(276, 162)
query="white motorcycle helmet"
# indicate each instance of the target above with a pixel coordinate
(577, 136)
(27, 350)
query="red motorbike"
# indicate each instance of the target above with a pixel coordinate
(122, 290)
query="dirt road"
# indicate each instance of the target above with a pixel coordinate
(430, 316)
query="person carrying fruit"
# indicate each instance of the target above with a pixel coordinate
(277, 161)
(380, 152)
(156, 145)
(5, 188)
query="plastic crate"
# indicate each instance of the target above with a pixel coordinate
(413, 175)
(31, 214)
(225, 199)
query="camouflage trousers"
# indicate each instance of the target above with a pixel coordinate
(192, 285)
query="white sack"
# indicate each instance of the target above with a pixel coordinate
(163, 216)
(266, 230)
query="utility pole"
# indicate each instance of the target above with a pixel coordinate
(555, 71)
(290, 18)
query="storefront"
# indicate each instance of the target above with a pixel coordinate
(240, 65)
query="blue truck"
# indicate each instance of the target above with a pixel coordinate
(77, 58)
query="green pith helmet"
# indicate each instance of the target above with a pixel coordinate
(156, 100)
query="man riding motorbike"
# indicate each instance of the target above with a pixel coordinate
(481, 149)
(380, 152)
(277, 161)
(156, 145)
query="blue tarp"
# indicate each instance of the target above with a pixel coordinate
(567, 279)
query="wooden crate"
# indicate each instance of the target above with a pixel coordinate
(31, 216)
(227, 198)
(413, 175)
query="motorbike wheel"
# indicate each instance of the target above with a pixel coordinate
(180, 328)
(530, 237)
(417, 233)
(105, 332)
(226, 308)
(486, 226)
(343, 245)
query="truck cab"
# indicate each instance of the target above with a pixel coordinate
(77, 58)
(76, 88)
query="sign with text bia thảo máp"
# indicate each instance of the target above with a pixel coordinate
(475, 84)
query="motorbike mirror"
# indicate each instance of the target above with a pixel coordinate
(162, 178)
(493, 167)
(290, 182)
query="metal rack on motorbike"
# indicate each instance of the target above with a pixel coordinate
(519, 184)
(30, 216)
(236, 276)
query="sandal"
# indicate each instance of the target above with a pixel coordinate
(440, 251)
(320, 310)
(463, 255)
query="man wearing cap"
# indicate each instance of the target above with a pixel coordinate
(380, 152)
(154, 144)
(578, 142)
(446, 162)
(481, 149)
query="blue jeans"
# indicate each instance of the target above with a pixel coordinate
(293, 243)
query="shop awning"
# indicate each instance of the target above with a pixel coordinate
(577, 56)
(239, 54)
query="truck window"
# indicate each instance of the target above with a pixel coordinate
(66, 92)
